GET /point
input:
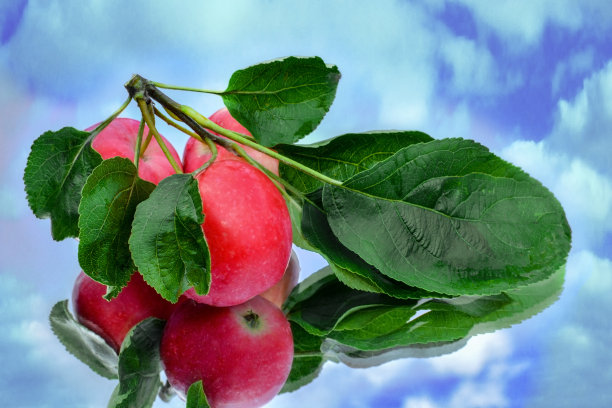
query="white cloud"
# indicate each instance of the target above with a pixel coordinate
(579, 63)
(419, 402)
(480, 352)
(583, 125)
(585, 194)
(475, 70)
(521, 23)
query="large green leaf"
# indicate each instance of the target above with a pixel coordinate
(167, 242)
(348, 266)
(108, 203)
(81, 342)
(344, 156)
(58, 165)
(281, 101)
(449, 216)
(139, 366)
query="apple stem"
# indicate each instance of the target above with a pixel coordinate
(184, 88)
(146, 114)
(240, 138)
(166, 392)
(214, 151)
(140, 88)
(175, 125)
(138, 143)
(112, 117)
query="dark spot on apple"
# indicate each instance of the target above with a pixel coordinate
(252, 319)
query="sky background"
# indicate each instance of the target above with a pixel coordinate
(532, 80)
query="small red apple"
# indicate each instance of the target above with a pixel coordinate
(278, 293)
(113, 319)
(119, 139)
(196, 152)
(242, 353)
(247, 228)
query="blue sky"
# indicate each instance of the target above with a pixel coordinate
(530, 79)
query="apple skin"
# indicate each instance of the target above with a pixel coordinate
(278, 293)
(113, 319)
(248, 230)
(196, 152)
(119, 139)
(242, 353)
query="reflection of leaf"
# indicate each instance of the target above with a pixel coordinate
(307, 359)
(81, 342)
(333, 301)
(351, 321)
(449, 216)
(356, 358)
(139, 366)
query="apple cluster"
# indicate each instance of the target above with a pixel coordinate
(235, 339)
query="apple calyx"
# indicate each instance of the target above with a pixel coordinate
(252, 319)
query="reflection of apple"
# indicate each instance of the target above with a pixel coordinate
(278, 293)
(247, 228)
(242, 353)
(113, 319)
(196, 152)
(119, 139)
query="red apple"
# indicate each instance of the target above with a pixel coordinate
(196, 152)
(278, 293)
(242, 353)
(248, 230)
(119, 139)
(113, 319)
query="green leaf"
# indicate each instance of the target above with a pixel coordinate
(57, 167)
(344, 156)
(445, 321)
(107, 208)
(139, 366)
(196, 398)
(281, 101)
(307, 359)
(81, 342)
(348, 266)
(356, 358)
(350, 321)
(295, 212)
(448, 216)
(324, 302)
(167, 242)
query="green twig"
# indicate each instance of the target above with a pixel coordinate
(138, 143)
(112, 117)
(146, 114)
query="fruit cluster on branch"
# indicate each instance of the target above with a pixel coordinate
(188, 264)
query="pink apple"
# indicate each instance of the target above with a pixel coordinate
(113, 319)
(196, 152)
(278, 293)
(119, 139)
(248, 230)
(242, 353)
